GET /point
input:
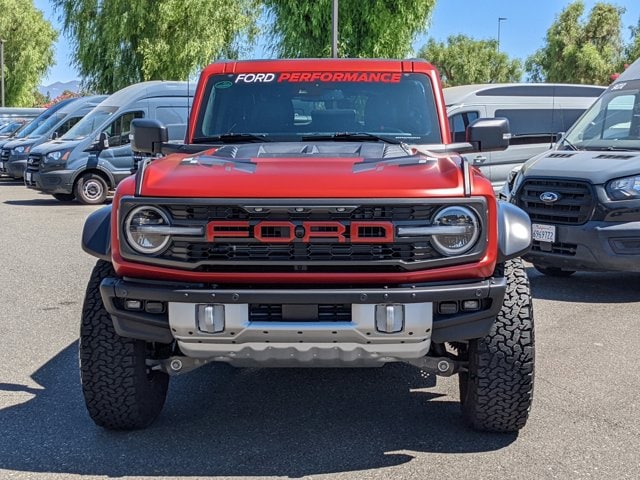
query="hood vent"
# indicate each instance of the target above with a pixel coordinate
(368, 151)
(615, 156)
(561, 155)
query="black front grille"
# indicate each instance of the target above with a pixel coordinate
(365, 212)
(274, 313)
(574, 206)
(33, 162)
(320, 252)
(4, 154)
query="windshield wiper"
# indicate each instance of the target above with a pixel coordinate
(348, 136)
(233, 138)
(571, 146)
(613, 149)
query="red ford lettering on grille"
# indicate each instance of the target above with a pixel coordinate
(308, 232)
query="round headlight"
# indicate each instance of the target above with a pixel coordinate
(456, 243)
(140, 232)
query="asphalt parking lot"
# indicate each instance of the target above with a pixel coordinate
(347, 424)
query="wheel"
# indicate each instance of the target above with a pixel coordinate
(497, 391)
(554, 271)
(64, 197)
(91, 189)
(120, 391)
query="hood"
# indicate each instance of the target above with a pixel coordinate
(24, 142)
(596, 167)
(55, 145)
(303, 170)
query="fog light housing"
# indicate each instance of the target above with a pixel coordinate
(154, 307)
(210, 318)
(471, 305)
(448, 308)
(133, 305)
(389, 318)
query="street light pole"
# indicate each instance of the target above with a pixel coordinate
(2, 70)
(334, 30)
(500, 20)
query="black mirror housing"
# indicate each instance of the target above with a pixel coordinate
(103, 141)
(147, 136)
(489, 134)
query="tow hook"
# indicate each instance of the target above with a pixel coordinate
(176, 365)
(442, 366)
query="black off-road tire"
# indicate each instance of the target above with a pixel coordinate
(64, 197)
(91, 189)
(553, 271)
(497, 391)
(120, 392)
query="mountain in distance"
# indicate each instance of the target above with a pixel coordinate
(55, 89)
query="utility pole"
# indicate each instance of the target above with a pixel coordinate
(500, 20)
(2, 70)
(334, 30)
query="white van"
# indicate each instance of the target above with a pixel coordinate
(95, 155)
(537, 112)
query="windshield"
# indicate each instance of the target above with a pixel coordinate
(47, 125)
(90, 123)
(612, 122)
(292, 106)
(10, 127)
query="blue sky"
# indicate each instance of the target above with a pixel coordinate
(520, 35)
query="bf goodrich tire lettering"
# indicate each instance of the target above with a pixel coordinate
(119, 391)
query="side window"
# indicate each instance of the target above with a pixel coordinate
(458, 124)
(66, 126)
(118, 131)
(172, 115)
(529, 126)
(618, 116)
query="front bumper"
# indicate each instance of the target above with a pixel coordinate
(57, 181)
(16, 165)
(354, 341)
(596, 246)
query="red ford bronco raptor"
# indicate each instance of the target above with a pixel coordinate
(317, 215)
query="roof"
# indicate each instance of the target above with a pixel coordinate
(632, 72)
(80, 102)
(155, 88)
(455, 95)
(317, 64)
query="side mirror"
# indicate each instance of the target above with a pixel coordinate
(54, 136)
(489, 134)
(148, 135)
(103, 141)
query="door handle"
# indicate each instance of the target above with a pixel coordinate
(480, 159)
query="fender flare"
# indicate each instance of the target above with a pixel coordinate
(110, 178)
(96, 234)
(514, 231)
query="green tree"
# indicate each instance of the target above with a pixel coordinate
(120, 42)
(463, 60)
(578, 51)
(632, 52)
(28, 50)
(372, 28)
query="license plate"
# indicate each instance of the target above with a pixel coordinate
(1, 166)
(543, 233)
(27, 177)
